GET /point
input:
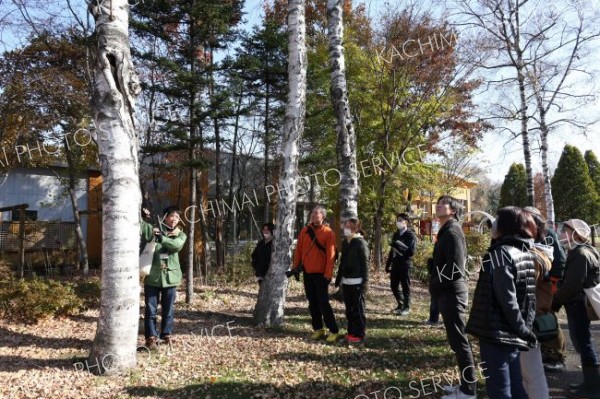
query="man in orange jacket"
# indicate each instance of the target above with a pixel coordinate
(315, 251)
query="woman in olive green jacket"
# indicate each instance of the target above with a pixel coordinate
(165, 275)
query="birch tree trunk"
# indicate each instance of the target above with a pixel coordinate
(524, 131)
(116, 85)
(545, 168)
(269, 310)
(346, 137)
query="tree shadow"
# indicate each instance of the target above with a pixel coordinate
(13, 364)
(13, 339)
(245, 390)
(83, 318)
(207, 324)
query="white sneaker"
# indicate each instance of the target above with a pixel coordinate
(458, 394)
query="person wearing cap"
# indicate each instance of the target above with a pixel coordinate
(448, 286)
(553, 351)
(261, 256)
(399, 263)
(582, 271)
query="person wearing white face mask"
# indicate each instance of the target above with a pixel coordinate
(582, 271)
(353, 274)
(399, 263)
(261, 256)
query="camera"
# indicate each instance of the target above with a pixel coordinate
(295, 272)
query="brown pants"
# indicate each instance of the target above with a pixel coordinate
(554, 351)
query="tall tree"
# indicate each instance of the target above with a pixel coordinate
(404, 107)
(499, 24)
(594, 168)
(514, 188)
(346, 137)
(269, 308)
(262, 64)
(573, 188)
(47, 100)
(113, 103)
(181, 37)
(556, 57)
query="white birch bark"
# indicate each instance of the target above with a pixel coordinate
(544, 153)
(269, 310)
(116, 85)
(346, 137)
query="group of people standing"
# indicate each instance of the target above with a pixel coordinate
(523, 277)
(516, 287)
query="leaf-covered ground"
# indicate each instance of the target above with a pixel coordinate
(219, 354)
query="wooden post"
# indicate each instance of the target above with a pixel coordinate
(21, 242)
(21, 208)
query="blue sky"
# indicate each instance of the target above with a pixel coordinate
(498, 151)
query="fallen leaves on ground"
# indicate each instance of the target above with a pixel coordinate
(218, 353)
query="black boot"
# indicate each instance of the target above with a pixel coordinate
(399, 302)
(398, 308)
(590, 389)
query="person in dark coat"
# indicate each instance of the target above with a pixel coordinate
(553, 351)
(354, 275)
(448, 287)
(532, 367)
(504, 305)
(399, 263)
(261, 256)
(582, 271)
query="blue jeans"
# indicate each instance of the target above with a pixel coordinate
(166, 296)
(579, 330)
(502, 370)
